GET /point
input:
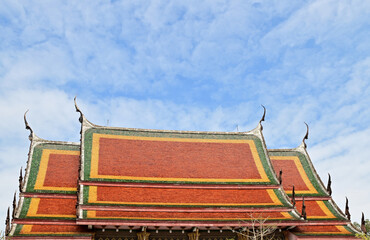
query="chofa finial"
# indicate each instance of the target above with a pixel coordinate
(304, 214)
(7, 223)
(305, 136)
(263, 117)
(20, 180)
(347, 210)
(14, 204)
(264, 114)
(280, 176)
(363, 224)
(78, 110)
(328, 188)
(27, 125)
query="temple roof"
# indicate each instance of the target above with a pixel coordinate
(47, 202)
(300, 174)
(155, 156)
(177, 177)
(126, 178)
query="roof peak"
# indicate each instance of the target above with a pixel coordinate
(257, 131)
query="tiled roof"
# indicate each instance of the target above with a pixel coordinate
(298, 171)
(134, 177)
(49, 192)
(152, 168)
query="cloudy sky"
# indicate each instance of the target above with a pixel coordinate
(194, 65)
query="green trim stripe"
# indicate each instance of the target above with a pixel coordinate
(178, 220)
(276, 191)
(26, 206)
(88, 149)
(307, 168)
(35, 165)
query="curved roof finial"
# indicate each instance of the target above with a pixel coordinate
(281, 176)
(264, 114)
(27, 125)
(305, 136)
(363, 224)
(304, 214)
(20, 180)
(328, 188)
(348, 214)
(78, 110)
(7, 223)
(263, 117)
(14, 204)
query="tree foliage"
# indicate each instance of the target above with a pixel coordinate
(363, 235)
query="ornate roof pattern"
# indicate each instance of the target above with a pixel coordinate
(127, 178)
(127, 172)
(309, 191)
(127, 155)
(47, 201)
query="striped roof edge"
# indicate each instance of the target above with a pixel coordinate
(88, 129)
(309, 171)
(48, 159)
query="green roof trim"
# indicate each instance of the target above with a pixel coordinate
(35, 166)
(87, 146)
(307, 168)
(284, 202)
(179, 220)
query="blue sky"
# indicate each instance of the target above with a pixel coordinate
(194, 65)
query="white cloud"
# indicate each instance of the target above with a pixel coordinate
(194, 66)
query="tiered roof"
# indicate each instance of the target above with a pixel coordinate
(121, 178)
(323, 214)
(174, 179)
(47, 203)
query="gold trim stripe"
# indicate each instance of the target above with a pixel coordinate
(27, 229)
(93, 192)
(342, 230)
(95, 159)
(34, 206)
(40, 180)
(325, 209)
(91, 214)
(302, 172)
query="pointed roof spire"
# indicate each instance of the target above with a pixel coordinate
(7, 223)
(305, 136)
(78, 110)
(347, 210)
(20, 180)
(304, 214)
(363, 224)
(328, 188)
(27, 125)
(14, 204)
(281, 176)
(293, 196)
(263, 117)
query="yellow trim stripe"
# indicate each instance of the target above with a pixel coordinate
(92, 214)
(95, 159)
(40, 180)
(93, 192)
(34, 206)
(325, 209)
(342, 230)
(302, 172)
(27, 229)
